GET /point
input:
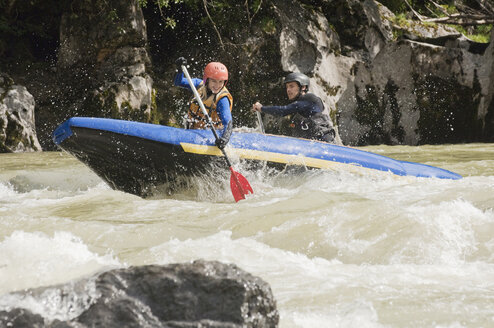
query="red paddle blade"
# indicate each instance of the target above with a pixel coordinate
(239, 185)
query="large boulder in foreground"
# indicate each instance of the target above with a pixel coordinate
(17, 129)
(198, 294)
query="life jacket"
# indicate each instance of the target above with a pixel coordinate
(316, 126)
(196, 119)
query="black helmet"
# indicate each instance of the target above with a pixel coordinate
(300, 78)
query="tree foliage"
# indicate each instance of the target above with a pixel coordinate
(218, 13)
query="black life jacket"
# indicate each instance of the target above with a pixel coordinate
(317, 126)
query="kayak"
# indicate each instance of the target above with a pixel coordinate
(138, 158)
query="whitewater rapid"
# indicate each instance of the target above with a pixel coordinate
(338, 249)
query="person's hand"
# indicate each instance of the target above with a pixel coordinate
(181, 61)
(257, 107)
(221, 143)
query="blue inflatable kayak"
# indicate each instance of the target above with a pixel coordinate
(137, 157)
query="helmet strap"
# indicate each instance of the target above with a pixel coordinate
(301, 90)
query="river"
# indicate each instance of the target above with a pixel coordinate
(339, 249)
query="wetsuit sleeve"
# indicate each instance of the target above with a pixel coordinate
(223, 110)
(302, 107)
(181, 81)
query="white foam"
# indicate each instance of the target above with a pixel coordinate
(359, 313)
(32, 259)
(305, 288)
(445, 233)
(63, 303)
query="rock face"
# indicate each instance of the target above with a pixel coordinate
(103, 60)
(392, 101)
(17, 128)
(382, 78)
(309, 45)
(386, 83)
(199, 294)
(106, 41)
(429, 86)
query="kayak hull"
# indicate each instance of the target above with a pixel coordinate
(138, 157)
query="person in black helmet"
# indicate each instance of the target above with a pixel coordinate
(308, 120)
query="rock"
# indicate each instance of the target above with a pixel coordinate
(101, 67)
(17, 127)
(103, 57)
(428, 86)
(382, 78)
(309, 45)
(486, 102)
(198, 294)
(415, 93)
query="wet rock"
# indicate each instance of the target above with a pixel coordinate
(416, 93)
(309, 45)
(427, 85)
(17, 127)
(383, 79)
(198, 294)
(103, 60)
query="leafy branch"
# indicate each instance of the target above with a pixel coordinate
(169, 21)
(214, 24)
(249, 17)
(482, 14)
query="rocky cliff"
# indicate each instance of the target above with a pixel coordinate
(383, 79)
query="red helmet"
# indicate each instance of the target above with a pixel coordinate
(215, 70)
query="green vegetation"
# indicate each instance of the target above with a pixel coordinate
(170, 22)
(268, 25)
(479, 33)
(401, 20)
(396, 6)
(218, 13)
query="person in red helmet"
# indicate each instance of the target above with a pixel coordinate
(216, 98)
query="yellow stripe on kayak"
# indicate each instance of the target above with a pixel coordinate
(268, 156)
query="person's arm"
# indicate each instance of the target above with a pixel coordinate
(294, 107)
(223, 110)
(181, 81)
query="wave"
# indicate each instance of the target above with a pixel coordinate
(32, 259)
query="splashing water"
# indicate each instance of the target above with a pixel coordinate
(338, 249)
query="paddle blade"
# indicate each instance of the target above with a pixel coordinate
(239, 185)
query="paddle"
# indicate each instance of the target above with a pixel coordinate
(259, 121)
(261, 127)
(238, 183)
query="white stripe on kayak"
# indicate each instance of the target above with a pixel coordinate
(272, 157)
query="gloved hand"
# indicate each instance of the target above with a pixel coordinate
(221, 143)
(180, 61)
(225, 137)
(257, 107)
